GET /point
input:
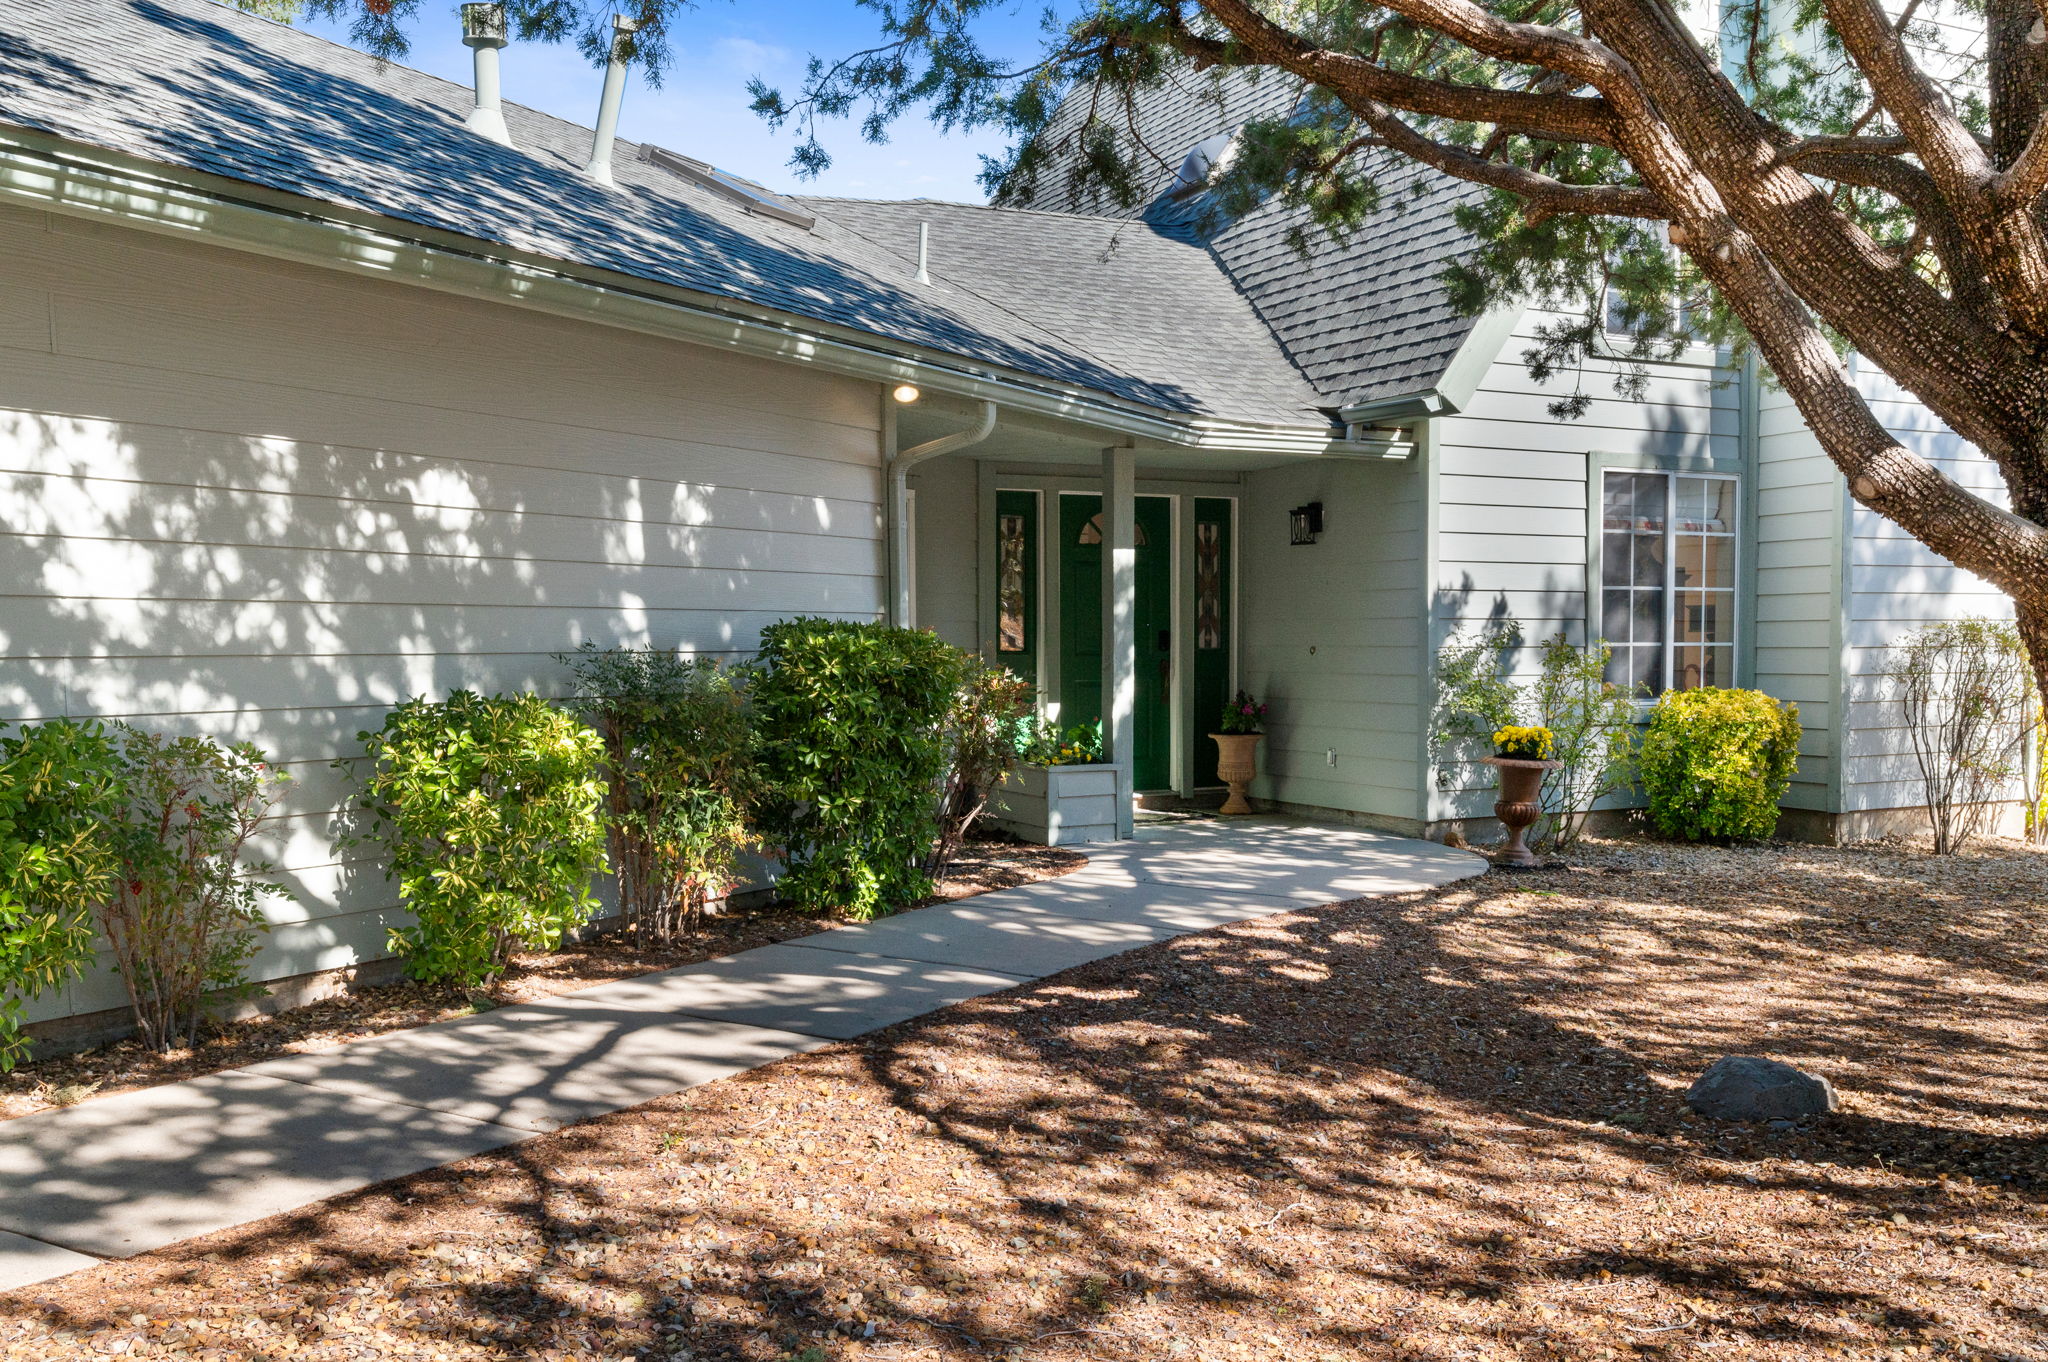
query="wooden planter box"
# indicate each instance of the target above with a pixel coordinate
(1060, 806)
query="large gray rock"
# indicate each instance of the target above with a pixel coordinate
(1749, 1088)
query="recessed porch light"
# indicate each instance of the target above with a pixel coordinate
(906, 392)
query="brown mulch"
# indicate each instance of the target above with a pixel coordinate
(984, 864)
(1441, 1126)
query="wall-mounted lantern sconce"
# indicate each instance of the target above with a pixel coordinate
(1304, 523)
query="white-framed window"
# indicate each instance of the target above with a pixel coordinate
(1668, 578)
(1621, 333)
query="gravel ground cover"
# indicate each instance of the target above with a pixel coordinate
(985, 864)
(1443, 1126)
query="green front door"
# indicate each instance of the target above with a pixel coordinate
(1080, 660)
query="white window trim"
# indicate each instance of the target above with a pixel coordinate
(1596, 597)
(1614, 345)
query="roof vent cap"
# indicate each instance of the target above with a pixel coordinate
(1205, 159)
(483, 25)
(483, 32)
(599, 166)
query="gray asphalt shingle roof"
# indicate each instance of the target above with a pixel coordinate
(1364, 318)
(199, 85)
(1141, 306)
(1125, 291)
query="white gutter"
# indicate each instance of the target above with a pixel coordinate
(897, 504)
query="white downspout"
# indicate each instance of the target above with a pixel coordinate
(899, 505)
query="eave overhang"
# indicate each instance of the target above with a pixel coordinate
(1455, 387)
(54, 174)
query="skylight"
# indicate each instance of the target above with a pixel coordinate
(748, 195)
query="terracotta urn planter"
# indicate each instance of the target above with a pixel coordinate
(1519, 806)
(1237, 765)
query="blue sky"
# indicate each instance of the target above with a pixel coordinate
(701, 107)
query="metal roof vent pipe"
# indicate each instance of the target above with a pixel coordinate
(924, 252)
(600, 165)
(483, 32)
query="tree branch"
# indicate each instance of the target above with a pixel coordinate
(1991, 210)
(1933, 223)
(2026, 178)
(1559, 117)
(1558, 49)
(1968, 530)
(1947, 148)
(1549, 196)
(1822, 145)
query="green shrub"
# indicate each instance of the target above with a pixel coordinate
(186, 910)
(490, 812)
(853, 720)
(1045, 743)
(60, 785)
(980, 751)
(1593, 726)
(682, 774)
(1591, 720)
(1716, 762)
(1966, 697)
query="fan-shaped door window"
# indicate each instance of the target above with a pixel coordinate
(1091, 533)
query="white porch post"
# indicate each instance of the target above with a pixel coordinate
(1119, 621)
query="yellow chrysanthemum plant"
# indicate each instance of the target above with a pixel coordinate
(1524, 742)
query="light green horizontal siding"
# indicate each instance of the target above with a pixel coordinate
(256, 500)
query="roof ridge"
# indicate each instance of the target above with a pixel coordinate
(980, 207)
(1033, 324)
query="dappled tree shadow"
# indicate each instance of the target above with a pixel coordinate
(1427, 1128)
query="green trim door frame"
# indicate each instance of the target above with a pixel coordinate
(1183, 761)
(1080, 531)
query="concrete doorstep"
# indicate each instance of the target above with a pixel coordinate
(121, 1175)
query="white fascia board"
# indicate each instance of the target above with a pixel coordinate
(1460, 380)
(54, 174)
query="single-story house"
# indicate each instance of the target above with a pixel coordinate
(322, 387)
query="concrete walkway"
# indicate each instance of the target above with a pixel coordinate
(122, 1175)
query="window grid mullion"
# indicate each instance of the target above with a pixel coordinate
(1671, 581)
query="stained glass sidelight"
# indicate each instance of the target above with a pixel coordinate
(1208, 585)
(1013, 632)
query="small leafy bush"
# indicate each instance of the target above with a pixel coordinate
(980, 752)
(1716, 762)
(682, 775)
(187, 909)
(60, 787)
(1593, 725)
(1966, 693)
(1590, 719)
(1045, 743)
(489, 810)
(853, 727)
